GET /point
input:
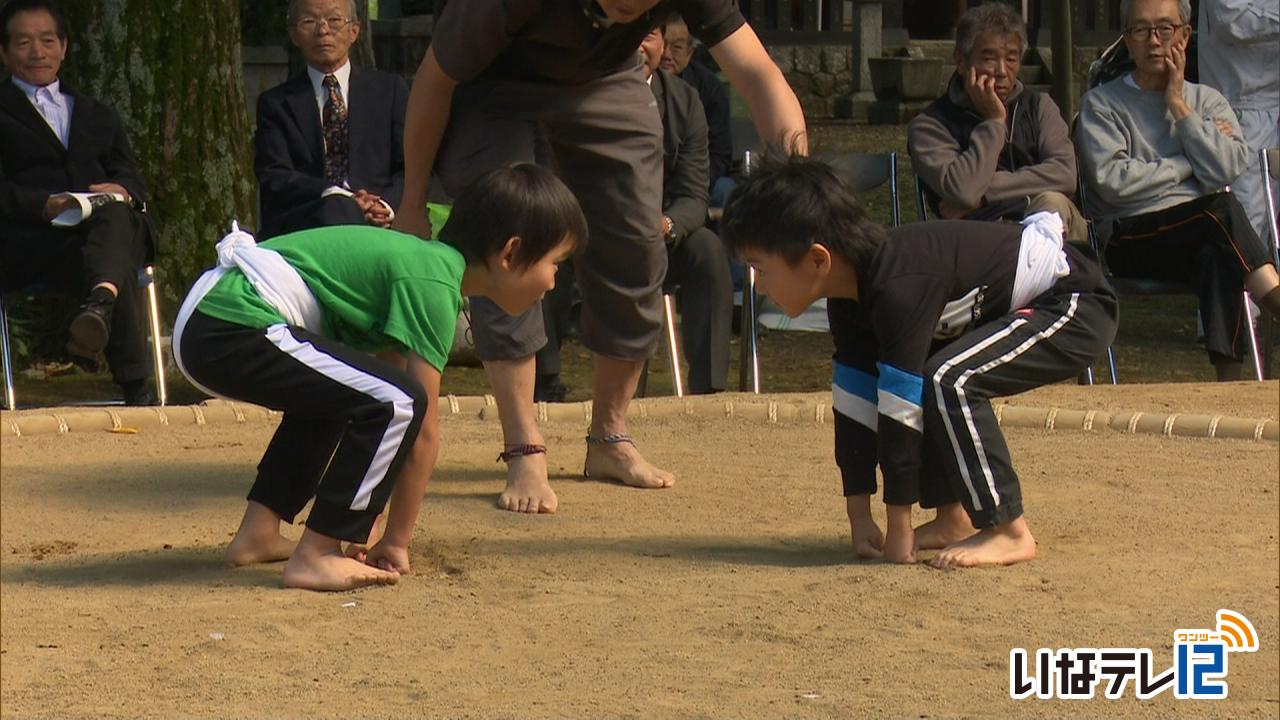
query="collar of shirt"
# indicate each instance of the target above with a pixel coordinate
(54, 92)
(343, 74)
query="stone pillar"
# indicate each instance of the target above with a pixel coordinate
(867, 21)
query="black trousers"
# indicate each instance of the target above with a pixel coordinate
(1054, 339)
(349, 418)
(111, 246)
(322, 212)
(1206, 243)
(698, 269)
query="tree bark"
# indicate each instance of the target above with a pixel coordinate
(172, 70)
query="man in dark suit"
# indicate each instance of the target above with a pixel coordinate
(54, 140)
(677, 59)
(697, 262)
(330, 141)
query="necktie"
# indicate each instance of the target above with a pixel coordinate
(335, 133)
(53, 112)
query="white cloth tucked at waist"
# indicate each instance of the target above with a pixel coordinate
(275, 281)
(1041, 258)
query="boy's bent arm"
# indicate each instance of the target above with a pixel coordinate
(773, 105)
(411, 485)
(426, 116)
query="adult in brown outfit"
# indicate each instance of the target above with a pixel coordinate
(497, 73)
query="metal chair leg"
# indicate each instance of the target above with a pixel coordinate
(157, 352)
(9, 402)
(1253, 339)
(673, 350)
(1111, 365)
(749, 364)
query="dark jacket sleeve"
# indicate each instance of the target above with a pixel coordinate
(120, 164)
(400, 100)
(19, 201)
(686, 187)
(716, 104)
(278, 179)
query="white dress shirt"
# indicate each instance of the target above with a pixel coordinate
(52, 104)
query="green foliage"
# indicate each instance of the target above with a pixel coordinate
(173, 71)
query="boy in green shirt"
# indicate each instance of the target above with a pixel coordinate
(289, 325)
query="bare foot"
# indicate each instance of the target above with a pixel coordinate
(622, 461)
(251, 551)
(258, 539)
(949, 527)
(527, 489)
(868, 540)
(318, 564)
(1004, 544)
(900, 538)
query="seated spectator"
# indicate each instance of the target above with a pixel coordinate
(54, 140)
(330, 142)
(677, 59)
(697, 262)
(990, 148)
(1156, 152)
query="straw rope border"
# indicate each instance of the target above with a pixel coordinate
(767, 409)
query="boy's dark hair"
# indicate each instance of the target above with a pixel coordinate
(785, 205)
(524, 201)
(13, 7)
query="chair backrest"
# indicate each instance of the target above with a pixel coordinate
(864, 172)
(921, 205)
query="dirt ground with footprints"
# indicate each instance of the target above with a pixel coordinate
(732, 595)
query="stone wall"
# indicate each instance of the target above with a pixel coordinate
(818, 74)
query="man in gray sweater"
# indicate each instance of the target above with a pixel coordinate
(991, 149)
(1156, 152)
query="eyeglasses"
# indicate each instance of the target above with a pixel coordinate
(313, 24)
(1141, 33)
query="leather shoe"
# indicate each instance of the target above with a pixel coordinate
(139, 394)
(91, 327)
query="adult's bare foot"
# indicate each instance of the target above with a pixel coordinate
(527, 489)
(949, 527)
(318, 564)
(621, 461)
(1004, 544)
(258, 539)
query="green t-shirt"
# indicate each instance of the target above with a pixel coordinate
(379, 289)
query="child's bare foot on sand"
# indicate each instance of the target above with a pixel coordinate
(949, 527)
(868, 540)
(258, 540)
(318, 564)
(1004, 544)
(620, 460)
(527, 489)
(900, 539)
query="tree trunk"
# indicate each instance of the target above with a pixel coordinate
(172, 70)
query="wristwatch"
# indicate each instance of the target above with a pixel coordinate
(668, 229)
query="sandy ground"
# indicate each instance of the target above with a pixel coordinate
(733, 595)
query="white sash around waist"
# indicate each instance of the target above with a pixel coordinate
(1041, 259)
(275, 281)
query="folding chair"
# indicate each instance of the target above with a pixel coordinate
(1269, 164)
(146, 282)
(920, 202)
